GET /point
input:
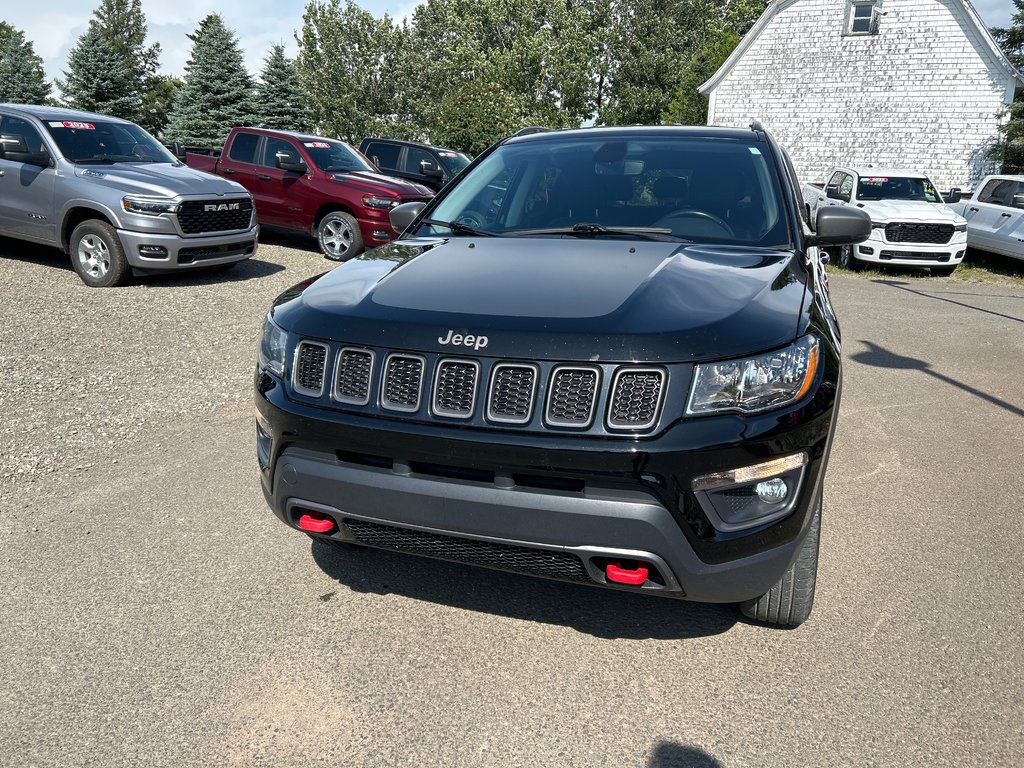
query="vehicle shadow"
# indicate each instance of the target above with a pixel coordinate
(880, 357)
(670, 754)
(287, 238)
(603, 613)
(905, 287)
(34, 253)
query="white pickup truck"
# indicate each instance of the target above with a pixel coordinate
(995, 216)
(911, 224)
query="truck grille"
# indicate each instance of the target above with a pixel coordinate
(490, 554)
(436, 387)
(912, 232)
(198, 217)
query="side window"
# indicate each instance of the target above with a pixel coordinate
(383, 155)
(846, 186)
(272, 147)
(243, 148)
(414, 157)
(998, 192)
(862, 17)
(20, 135)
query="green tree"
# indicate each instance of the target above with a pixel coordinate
(98, 79)
(22, 80)
(348, 62)
(158, 101)
(688, 107)
(477, 114)
(217, 93)
(1010, 150)
(119, 27)
(281, 99)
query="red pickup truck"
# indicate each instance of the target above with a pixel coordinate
(313, 184)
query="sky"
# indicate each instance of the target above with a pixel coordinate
(55, 26)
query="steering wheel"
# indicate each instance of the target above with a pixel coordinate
(691, 213)
(471, 219)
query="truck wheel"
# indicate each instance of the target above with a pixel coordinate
(848, 261)
(789, 602)
(339, 236)
(97, 255)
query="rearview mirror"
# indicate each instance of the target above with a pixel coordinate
(403, 215)
(289, 161)
(840, 226)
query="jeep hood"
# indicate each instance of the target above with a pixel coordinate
(157, 179)
(884, 211)
(557, 298)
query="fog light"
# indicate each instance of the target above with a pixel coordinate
(382, 234)
(866, 249)
(153, 251)
(959, 255)
(772, 491)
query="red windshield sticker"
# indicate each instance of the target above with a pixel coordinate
(447, 154)
(875, 180)
(318, 144)
(81, 126)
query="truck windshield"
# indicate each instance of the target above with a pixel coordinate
(106, 142)
(897, 188)
(675, 188)
(456, 160)
(335, 156)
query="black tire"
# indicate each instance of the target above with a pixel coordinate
(97, 255)
(848, 261)
(944, 271)
(339, 236)
(789, 603)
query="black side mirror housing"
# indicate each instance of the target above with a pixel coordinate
(42, 159)
(289, 161)
(840, 226)
(427, 168)
(403, 215)
(954, 195)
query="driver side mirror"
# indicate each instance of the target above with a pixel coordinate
(14, 148)
(403, 215)
(289, 161)
(840, 226)
(1018, 201)
(954, 195)
(427, 168)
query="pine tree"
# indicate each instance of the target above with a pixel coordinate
(119, 27)
(98, 79)
(217, 93)
(281, 99)
(1011, 149)
(22, 80)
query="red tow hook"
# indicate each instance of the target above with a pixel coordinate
(633, 577)
(315, 523)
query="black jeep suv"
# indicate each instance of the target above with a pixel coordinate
(605, 356)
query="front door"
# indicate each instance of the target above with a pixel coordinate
(26, 191)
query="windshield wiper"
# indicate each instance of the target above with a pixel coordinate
(458, 228)
(584, 229)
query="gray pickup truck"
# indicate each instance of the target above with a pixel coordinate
(113, 198)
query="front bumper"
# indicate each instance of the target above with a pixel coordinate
(565, 505)
(877, 250)
(154, 252)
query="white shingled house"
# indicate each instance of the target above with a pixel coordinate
(916, 84)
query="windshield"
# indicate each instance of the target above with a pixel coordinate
(456, 160)
(106, 142)
(896, 188)
(335, 156)
(676, 188)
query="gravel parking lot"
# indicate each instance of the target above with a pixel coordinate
(156, 613)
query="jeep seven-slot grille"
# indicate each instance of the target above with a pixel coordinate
(219, 215)
(506, 557)
(911, 232)
(508, 393)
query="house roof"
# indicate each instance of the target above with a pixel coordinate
(775, 6)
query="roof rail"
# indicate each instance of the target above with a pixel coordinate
(755, 125)
(529, 130)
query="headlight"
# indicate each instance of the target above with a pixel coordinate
(272, 347)
(152, 206)
(959, 227)
(371, 201)
(756, 383)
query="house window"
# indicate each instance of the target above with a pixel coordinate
(862, 17)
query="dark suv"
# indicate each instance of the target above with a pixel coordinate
(425, 164)
(605, 356)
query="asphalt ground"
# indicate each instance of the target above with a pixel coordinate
(155, 613)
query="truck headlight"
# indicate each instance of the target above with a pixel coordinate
(272, 347)
(755, 383)
(960, 227)
(372, 201)
(152, 206)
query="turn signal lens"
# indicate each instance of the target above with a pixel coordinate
(751, 474)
